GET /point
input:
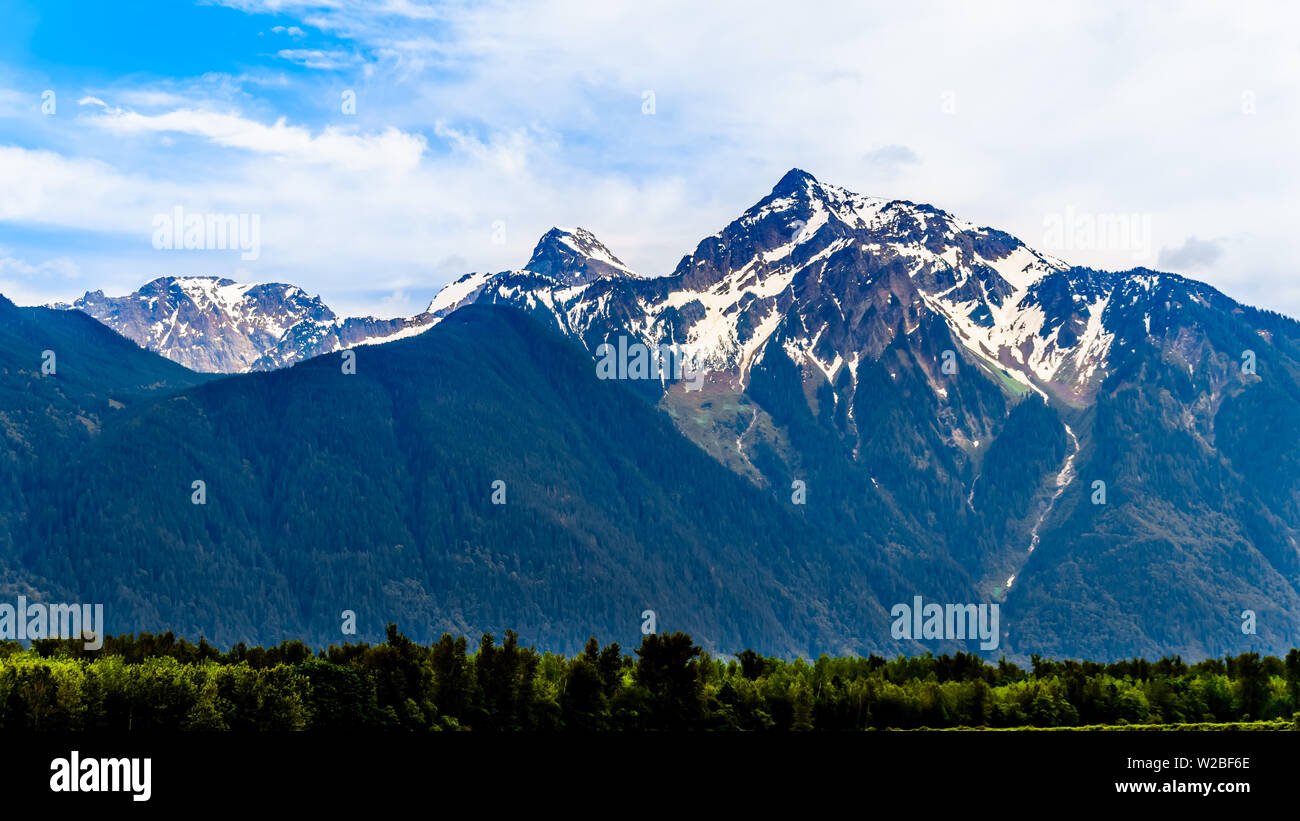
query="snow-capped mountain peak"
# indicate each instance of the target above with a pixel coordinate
(832, 276)
(207, 323)
(835, 276)
(217, 325)
(575, 256)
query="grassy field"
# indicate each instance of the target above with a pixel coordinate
(1278, 724)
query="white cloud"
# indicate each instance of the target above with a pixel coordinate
(391, 148)
(1193, 255)
(36, 283)
(46, 188)
(508, 152)
(318, 58)
(153, 98)
(533, 116)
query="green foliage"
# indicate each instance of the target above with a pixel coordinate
(157, 682)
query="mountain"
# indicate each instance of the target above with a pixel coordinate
(881, 401)
(315, 337)
(817, 256)
(373, 492)
(214, 325)
(823, 321)
(205, 323)
(63, 378)
(575, 257)
(63, 374)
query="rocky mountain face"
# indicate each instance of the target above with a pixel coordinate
(926, 406)
(205, 323)
(835, 274)
(575, 257)
(214, 325)
(1041, 422)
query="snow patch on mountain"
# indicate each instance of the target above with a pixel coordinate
(454, 294)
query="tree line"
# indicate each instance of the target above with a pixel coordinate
(160, 682)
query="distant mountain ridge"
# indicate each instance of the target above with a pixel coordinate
(215, 325)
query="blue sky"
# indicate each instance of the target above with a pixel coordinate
(479, 125)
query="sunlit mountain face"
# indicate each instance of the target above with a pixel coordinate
(884, 401)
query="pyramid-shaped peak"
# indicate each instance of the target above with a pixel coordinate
(579, 239)
(795, 182)
(574, 256)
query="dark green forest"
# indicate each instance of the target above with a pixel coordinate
(160, 682)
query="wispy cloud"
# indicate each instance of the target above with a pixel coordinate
(1193, 255)
(320, 59)
(389, 149)
(469, 113)
(33, 283)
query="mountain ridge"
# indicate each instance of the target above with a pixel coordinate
(963, 415)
